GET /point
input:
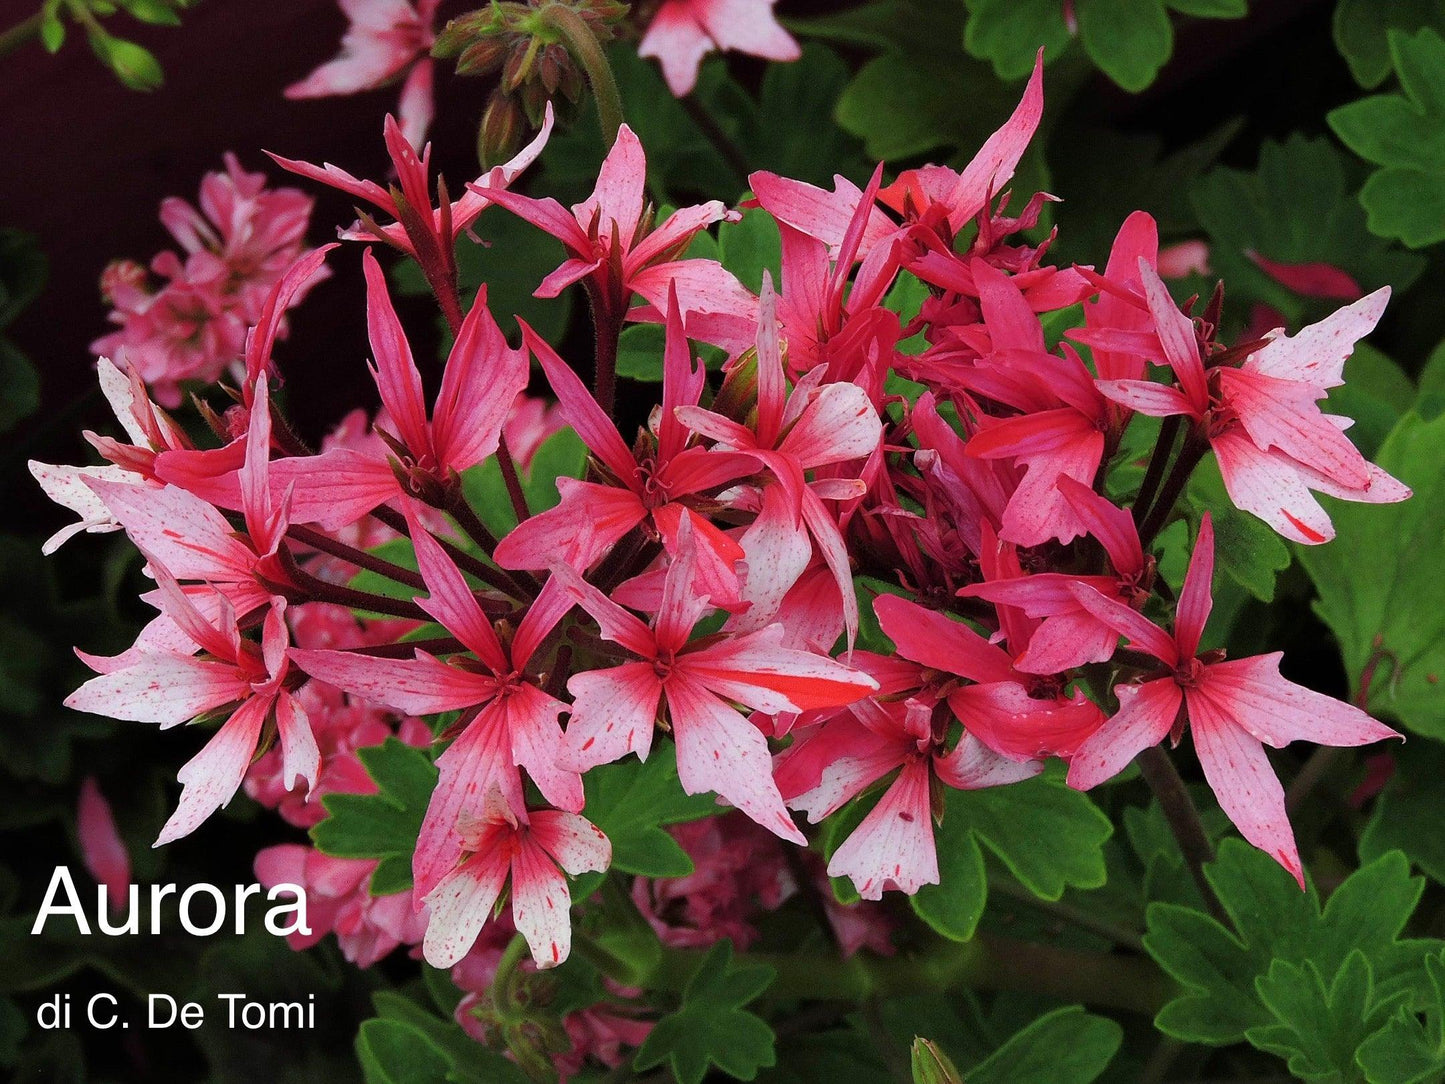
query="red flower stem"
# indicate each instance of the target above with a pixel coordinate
(1183, 817)
(514, 483)
(1189, 456)
(405, 649)
(360, 558)
(607, 329)
(318, 590)
(1154, 473)
(493, 577)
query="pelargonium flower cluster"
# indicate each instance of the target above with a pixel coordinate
(699, 585)
(235, 246)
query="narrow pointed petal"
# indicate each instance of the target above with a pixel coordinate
(1146, 714)
(395, 371)
(300, 757)
(475, 769)
(1106, 521)
(756, 670)
(928, 637)
(719, 750)
(541, 905)
(479, 383)
(893, 846)
(581, 410)
(1147, 397)
(211, 778)
(613, 714)
(588, 521)
(164, 689)
(577, 845)
(421, 686)
(452, 602)
(460, 906)
(1140, 631)
(1195, 597)
(1252, 694)
(531, 719)
(1239, 773)
(1316, 354)
(972, 765)
(615, 623)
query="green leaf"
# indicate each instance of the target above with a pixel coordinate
(1128, 39)
(633, 800)
(1406, 815)
(1066, 1046)
(1379, 591)
(19, 386)
(1009, 33)
(562, 455)
(1293, 208)
(1046, 834)
(23, 269)
(1408, 1050)
(1320, 1025)
(1361, 29)
(392, 1052)
(467, 1060)
(711, 1027)
(134, 65)
(1275, 921)
(639, 352)
(751, 246)
(1404, 134)
(385, 825)
(1247, 550)
(511, 258)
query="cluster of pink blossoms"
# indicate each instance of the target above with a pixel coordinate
(234, 248)
(699, 584)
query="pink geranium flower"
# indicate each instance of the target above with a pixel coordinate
(531, 850)
(611, 242)
(684, 31)
(508, 722)
(1263, 420)
(1233, 709)
(616, 710)
(386, 41)
(235, 247)
(339, 901)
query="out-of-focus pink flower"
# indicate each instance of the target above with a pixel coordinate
(1185, 258)
(739, 871)
(386, 41)
(684, 31)
(1320, 280)
(529, 425)
(235, 246)
(101, 847)
(339, 901)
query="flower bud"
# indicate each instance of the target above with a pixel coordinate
(931, 1065)
(501, 130)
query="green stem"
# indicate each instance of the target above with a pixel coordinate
(587, 51)
(22, 33)
(1183, 817)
